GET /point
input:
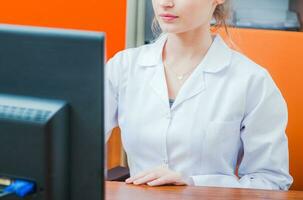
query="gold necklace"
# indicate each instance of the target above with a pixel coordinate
(180, 77)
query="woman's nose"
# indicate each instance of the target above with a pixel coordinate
(167, 3)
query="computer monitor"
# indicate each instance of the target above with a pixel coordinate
(51, 117)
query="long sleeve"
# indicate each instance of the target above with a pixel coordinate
(111, 97)
(265, 160)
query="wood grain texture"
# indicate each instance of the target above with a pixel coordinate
(120, 190)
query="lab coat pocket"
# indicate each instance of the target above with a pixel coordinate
(221, 144)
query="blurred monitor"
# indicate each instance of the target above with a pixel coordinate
(51, 111)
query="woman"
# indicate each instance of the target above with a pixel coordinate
(192, 111)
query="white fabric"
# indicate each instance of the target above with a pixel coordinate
(228, 110)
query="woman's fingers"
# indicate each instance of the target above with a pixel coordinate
(156, 177)
(164, 180)
(169, 178)
(138, 176)
(132, 179)
(149, 177)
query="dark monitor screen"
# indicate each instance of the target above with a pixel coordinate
(62, 65)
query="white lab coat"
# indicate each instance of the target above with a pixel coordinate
(229, 110)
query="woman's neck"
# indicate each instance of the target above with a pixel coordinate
(188, 45)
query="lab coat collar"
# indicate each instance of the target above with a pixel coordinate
(216, 59)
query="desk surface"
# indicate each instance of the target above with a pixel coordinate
(118, 190)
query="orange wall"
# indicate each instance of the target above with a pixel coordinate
(100, 15)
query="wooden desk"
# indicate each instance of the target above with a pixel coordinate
(122, 191)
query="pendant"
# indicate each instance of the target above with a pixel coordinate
(180, 77)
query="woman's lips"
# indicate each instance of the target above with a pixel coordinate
(168, 17)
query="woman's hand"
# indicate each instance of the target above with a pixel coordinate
(159, 176)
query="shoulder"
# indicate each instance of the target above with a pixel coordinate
(145, 55)
(130, 55)
(121, 66)
(256, 79)
(123, 60)
(247, 68)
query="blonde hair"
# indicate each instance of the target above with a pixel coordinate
(221, 14)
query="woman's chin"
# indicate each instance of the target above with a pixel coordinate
(173, 30)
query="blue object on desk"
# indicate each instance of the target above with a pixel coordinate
(20, 188)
